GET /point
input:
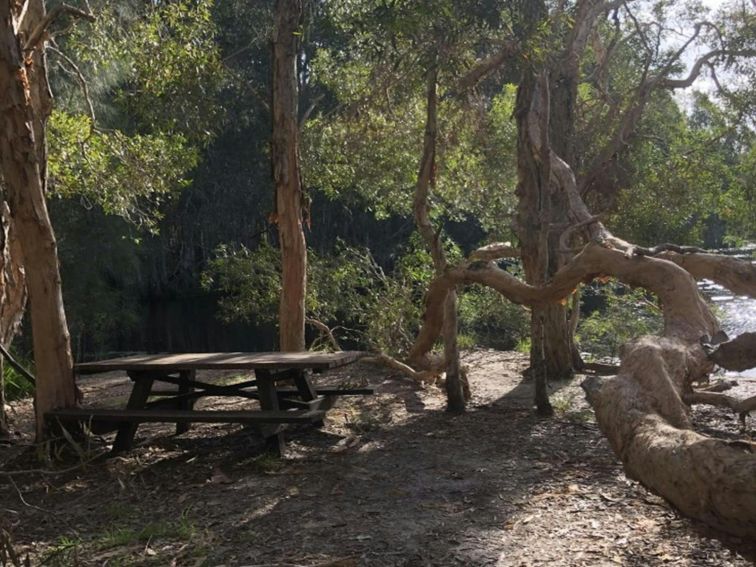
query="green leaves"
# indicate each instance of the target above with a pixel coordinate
(128, 176)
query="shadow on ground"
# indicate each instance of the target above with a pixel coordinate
(390, 480)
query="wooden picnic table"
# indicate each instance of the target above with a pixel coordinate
(300, 402)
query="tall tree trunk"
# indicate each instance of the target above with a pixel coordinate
(24, 172)
(426, 179)
(544, 209)
(533, 228)
(287, 175)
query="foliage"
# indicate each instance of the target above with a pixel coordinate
(127, 176)
(349, 291)
(365, 147)
(139, 92)
(17, 386)
(345, 289)
(489, 320)
(102, 292)
(625, 314)
(247, 282)
(179, 145)
(696, 170)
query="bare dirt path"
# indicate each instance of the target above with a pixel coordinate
(390, 480)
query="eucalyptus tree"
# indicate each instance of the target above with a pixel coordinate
(397, 83)
(134, 105)
(26, 106)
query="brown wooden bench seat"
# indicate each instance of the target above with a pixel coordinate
(182, 416)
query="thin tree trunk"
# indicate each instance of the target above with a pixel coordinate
(24, 177)
(455, 381)
(426, 178)
(287, 176)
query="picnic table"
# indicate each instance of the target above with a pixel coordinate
(298, 401)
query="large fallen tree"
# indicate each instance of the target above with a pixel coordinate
(644, 409)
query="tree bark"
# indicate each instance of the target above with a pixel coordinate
(287, 176)
(12, 296)
(21, 152)
(426, 179)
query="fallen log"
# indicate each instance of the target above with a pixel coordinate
(737, 354)
(642, 411)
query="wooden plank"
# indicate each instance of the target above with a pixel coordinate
(183, 400)
(332, 392)
(320, 403)
(266, 388)
(206, 389)
(223, 361)
(182, 416)
(304, 386)
(140, 392)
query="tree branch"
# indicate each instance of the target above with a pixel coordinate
(698, 65)
(82, 82)
(38, 32)
(494, 251)
(484, 67)
(686, 314)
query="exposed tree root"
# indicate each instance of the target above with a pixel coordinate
(708, 479)
(741, 407)
(737, 354)
(421, 376)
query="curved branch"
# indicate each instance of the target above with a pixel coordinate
(695, 71)
(494, 251)
(736, 275)
(686, 314)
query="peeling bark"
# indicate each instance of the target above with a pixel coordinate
(738, 354)
(22, 157)
(12, 296)
(287, 176)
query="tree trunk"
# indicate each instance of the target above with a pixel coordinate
(24, 177)
(12, 297)
(455, 380)
(544, 209)
(287, 176)
(426, 179)
(547, 347)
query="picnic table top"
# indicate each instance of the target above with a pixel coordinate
(223, 361)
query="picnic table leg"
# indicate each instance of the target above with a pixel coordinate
(273, 434)
(304, 387)
(137, 400)
(306, 390)
(185, 404)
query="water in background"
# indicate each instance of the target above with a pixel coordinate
(736, 313)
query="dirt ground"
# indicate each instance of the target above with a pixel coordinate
(391, 479)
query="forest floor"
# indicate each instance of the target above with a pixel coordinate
(391, 479)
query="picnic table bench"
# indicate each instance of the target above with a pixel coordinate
(300, 402)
